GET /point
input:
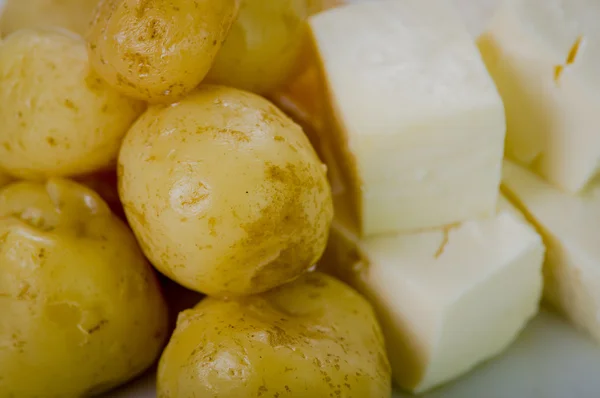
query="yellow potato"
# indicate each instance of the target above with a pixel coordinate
(224, 192)
(57, 118)
(158, 51)
(81, 309)
(315, 337)
(316, 6)
(74, 15)
(263, 47)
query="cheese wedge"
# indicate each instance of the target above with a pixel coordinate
(447, 299)
(571, 228)
(545, 58)
(418, 126)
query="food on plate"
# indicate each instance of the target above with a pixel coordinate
(58, 119)
(447, 299)
(158, 51)
(544, 58)
(224, 192)
(419, 126)
(263, 48)
(315, 337)
(74, 15)
(571, 228)
(82, 311)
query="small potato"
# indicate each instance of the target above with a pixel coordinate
(315, 337)
(57, 118)
(74, 15)
(158, 50)
(263, 47)
(224, 192)
(81, 309)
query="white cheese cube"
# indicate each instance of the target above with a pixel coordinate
(571, 228)
(545, 58)
(447, 299)
(418, 126)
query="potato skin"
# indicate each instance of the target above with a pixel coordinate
(263, 48)
(82, 311)
(224, 192)
(74, 15)
(315, 337)
(158, 50)
(57, 119)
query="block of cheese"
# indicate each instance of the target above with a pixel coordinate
(570, 226)
(447, 299)
(545, 58)
(418, 126)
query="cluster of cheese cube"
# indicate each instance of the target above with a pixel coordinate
(411, 115)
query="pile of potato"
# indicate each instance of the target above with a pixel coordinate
(222, 193)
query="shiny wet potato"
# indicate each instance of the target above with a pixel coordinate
(224, 192)
(81, 309)
(263, 47)
(58, 119)
(315, 337)
(74, 15)
(158, 50)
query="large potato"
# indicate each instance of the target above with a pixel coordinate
(74, 15)
(81, 310)
(315, 337)
(57, 118)
(158, 50)
(224, 192)
(264, 45)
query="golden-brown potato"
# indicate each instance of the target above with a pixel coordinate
(158, 51)
(262, 50)
(224, 192)
(315, 337)
(74, 15)
(57, 118)
(81, 309)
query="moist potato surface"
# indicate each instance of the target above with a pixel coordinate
(82, 311)
(263, 48)
(58, 118)
(158, 50)
(315, 337)
(224, 192)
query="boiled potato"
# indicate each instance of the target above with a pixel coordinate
(158, 50)
(81, 310)
(313, 338)
(57, 118)
(74, 15)
(263, 48)
(224, 192)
